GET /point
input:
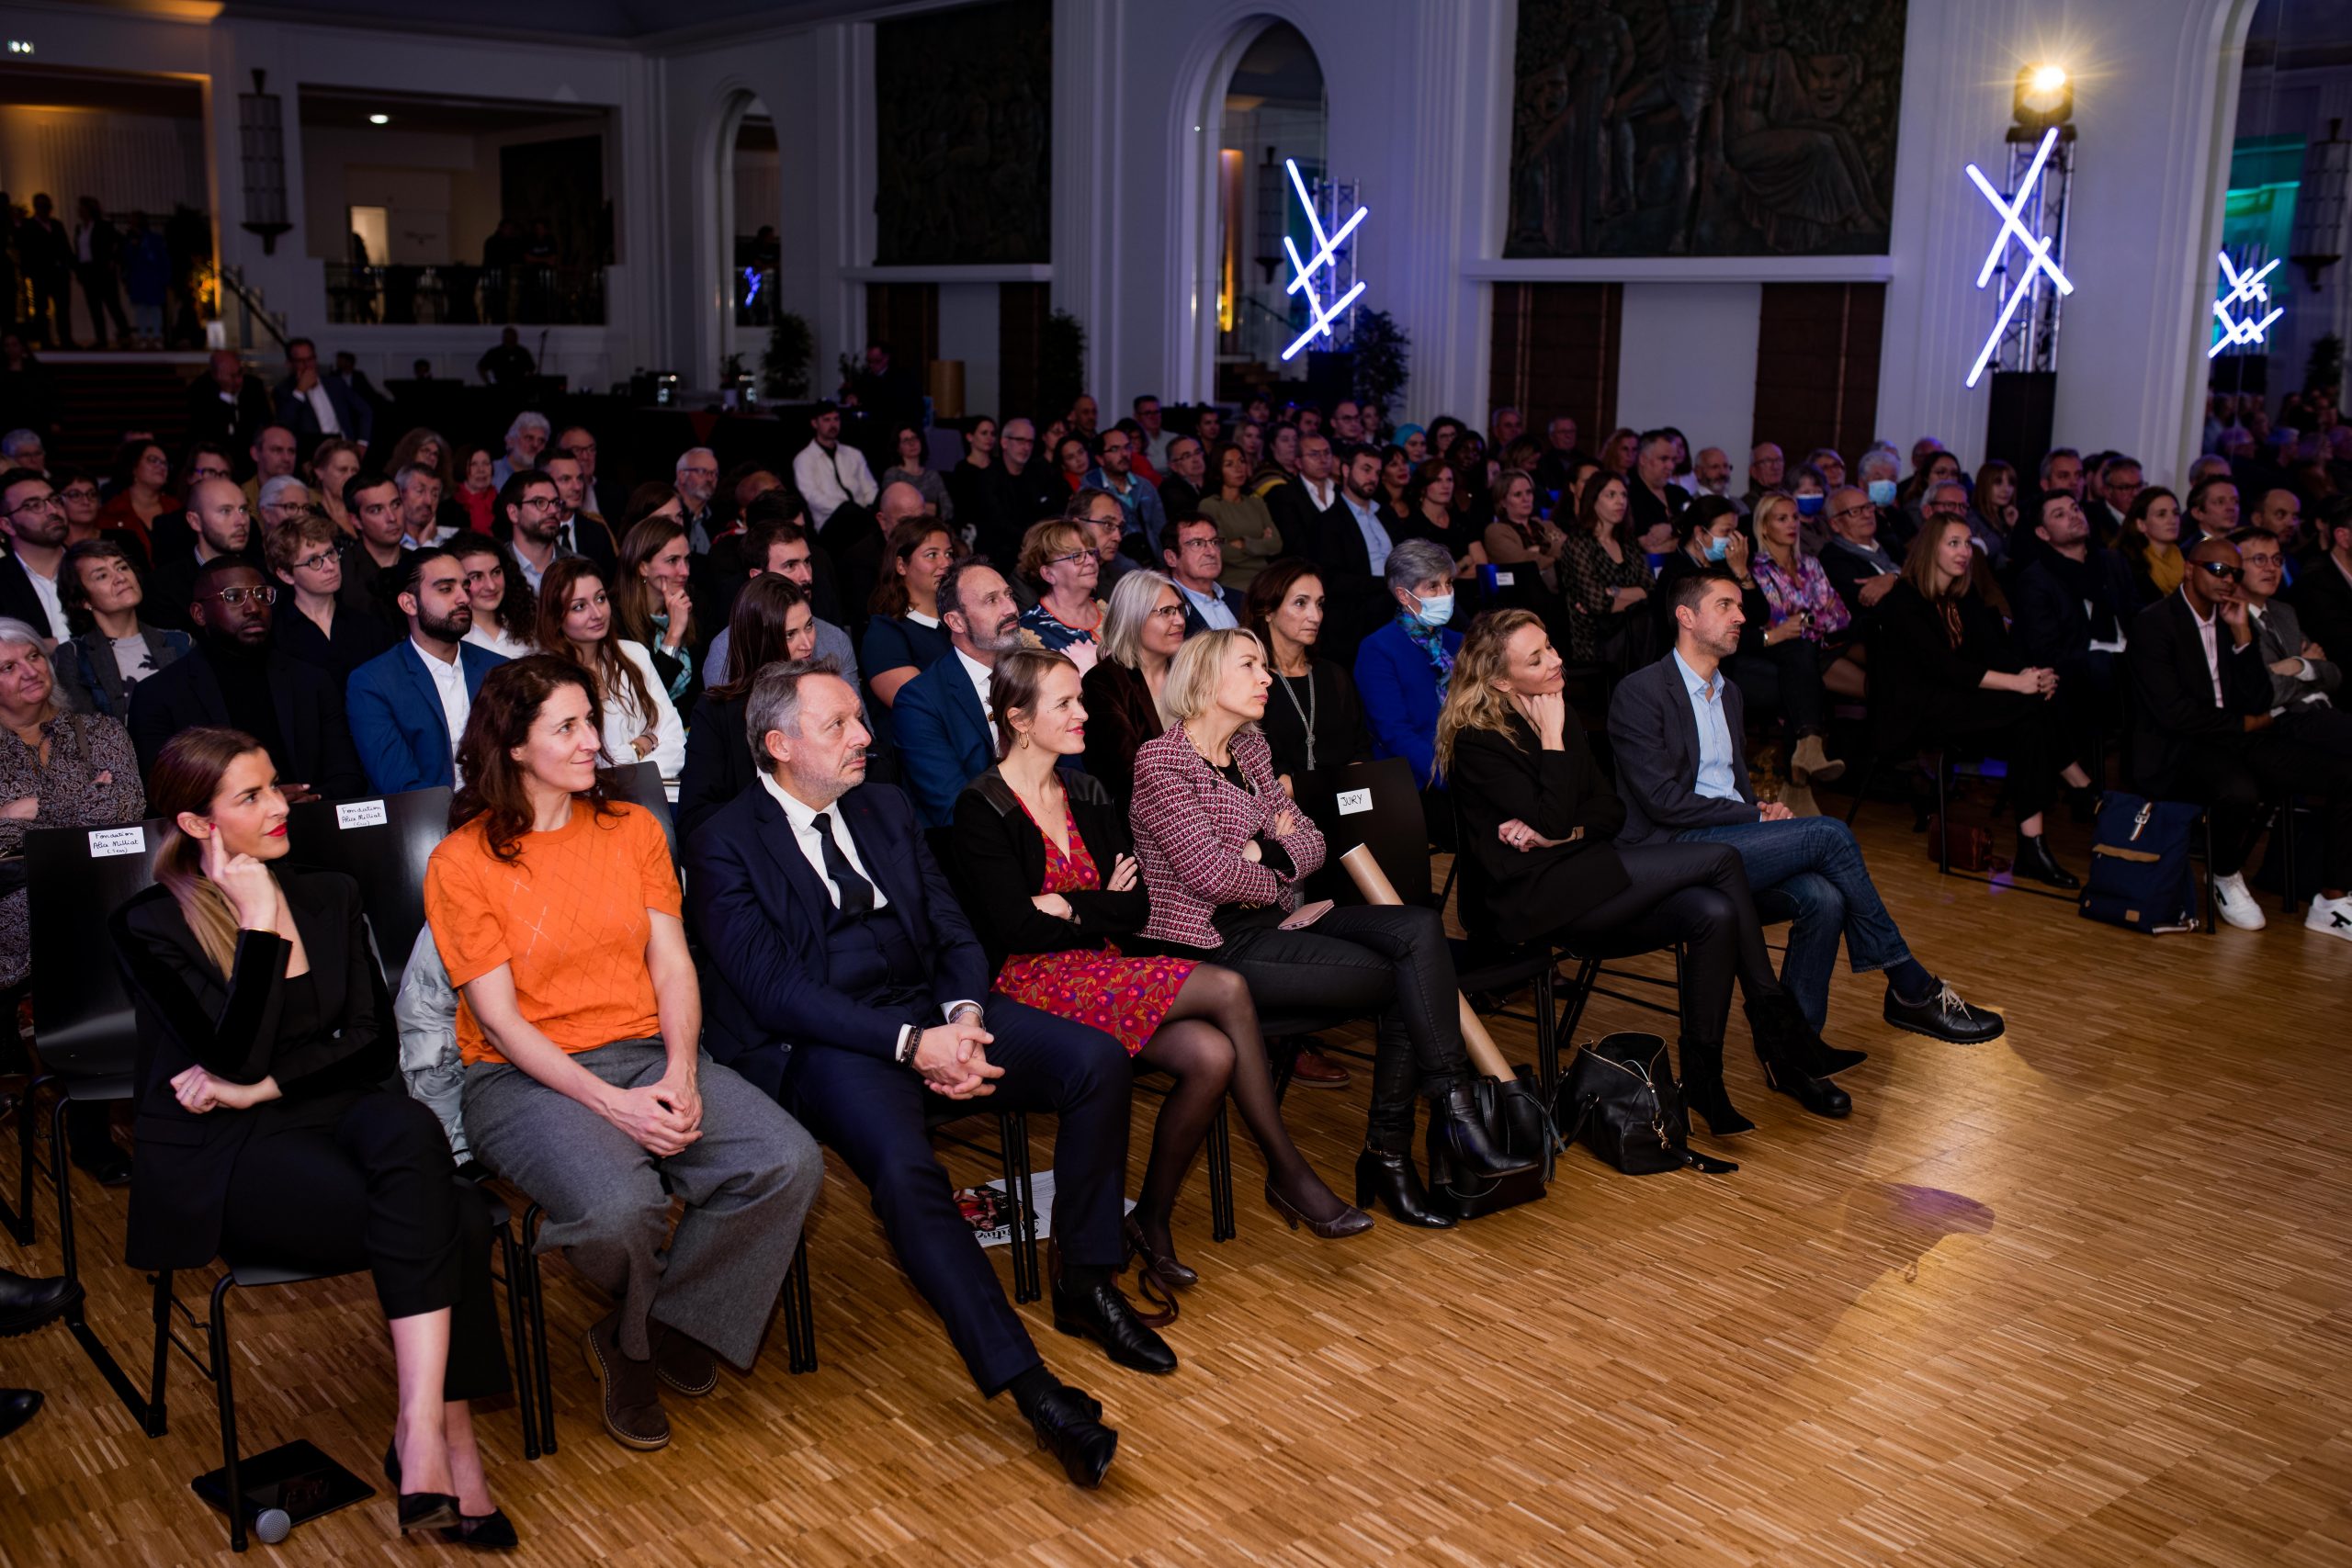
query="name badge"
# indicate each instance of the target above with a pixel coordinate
(1355, 801)
(1503, 579)
(349, 814)
(106, 841)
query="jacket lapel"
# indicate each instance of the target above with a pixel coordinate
(423, 692)
(890, 864)
(783, 847)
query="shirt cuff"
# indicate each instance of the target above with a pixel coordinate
(948, 1013)
(2303, 671)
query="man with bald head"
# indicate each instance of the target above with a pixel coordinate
(223, 526)
(2204, 730)
(1711, 471)
(1027, 490)
(2279, 514)
(1767, 468)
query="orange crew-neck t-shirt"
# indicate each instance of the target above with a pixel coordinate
(569, 918)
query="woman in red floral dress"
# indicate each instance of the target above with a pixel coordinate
(1047, 872)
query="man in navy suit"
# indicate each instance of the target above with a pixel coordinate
(840, 975)
(940, 723)
(408, 706)
(1193, 556)
(313, 406)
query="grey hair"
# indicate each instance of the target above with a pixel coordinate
(409, 473)
(1415, 561)
(528, 420)
(15, 630)
(1133, 599)
(691, 451)
(2052, 457)
(1879, 460)
(775, 703)
(275, 491)
(18, 441)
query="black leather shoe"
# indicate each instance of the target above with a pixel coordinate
(1817, 1095)
(427, 1511)
(1943, 1016)
(1782, 1030)
(1455, 1125)
(1070, 1425)
(1103, 1314)
(1713, 1105)
(26, 1302)
(17, 1406)
(492, 1531)
(1392, 1179)
(2034, 861)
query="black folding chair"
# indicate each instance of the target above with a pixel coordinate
(1374, 803)
(382, 842)
(639, 784)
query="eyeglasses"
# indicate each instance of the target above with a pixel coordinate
(232, 597)
(1074, 555)
(2221, 569)
(1167, 612)
(77, 492)
(1200, 545)
(317, 562)
(1863, 511)
(588, 449)
(34, 503)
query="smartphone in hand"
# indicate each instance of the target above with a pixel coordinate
(1307, 915)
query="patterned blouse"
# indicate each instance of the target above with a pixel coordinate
(1811, 591)
(92, 779)
(1593, 579)
(1040, 627)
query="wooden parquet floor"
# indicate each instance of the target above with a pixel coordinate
(2078, 1297)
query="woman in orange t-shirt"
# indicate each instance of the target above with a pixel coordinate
(555, 912)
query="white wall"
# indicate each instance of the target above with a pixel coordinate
(127, 161)
(969, 327)
(1688, 359)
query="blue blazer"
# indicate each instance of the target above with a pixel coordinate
(942, 737)
(1400, 697)
(396, 722)
(1655, 737)
(351, 412)
(760, 912)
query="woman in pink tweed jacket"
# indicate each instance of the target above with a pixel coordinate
(1223, 851)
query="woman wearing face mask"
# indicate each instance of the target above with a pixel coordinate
(1811, 488)
(1403, 670)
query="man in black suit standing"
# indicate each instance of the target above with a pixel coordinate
(2204, 732)
(225, 406)
(842, 977)
(234, 677)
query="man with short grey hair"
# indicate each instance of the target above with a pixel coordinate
(698, 482)
(421, 525)
(525, 439)
(23, 448)
(283, 499)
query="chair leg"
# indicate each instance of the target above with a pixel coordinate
(2211, 898)
(1943, 818)
(157, 1421)
(61, 1173)
(800, 1318)
(1220, 1142)
(19, 1217)
(531, 1219)
(216, 1331)
(1547, 1043)
(1863, 790)
(518, 1332)
(1012, 1132)
(2287, 857)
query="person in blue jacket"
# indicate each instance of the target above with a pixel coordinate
(408, 707)
(1403, 668)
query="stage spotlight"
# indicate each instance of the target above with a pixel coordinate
(2045, 96)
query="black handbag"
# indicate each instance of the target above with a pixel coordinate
(1517, 1124)
(1620, 1099)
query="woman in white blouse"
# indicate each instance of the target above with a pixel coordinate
(505, 615)
(577, 622)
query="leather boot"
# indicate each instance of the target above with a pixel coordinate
(2035, 861)
(1391, 1179)
(1779, 1032)
(1799, 799)
(1704, 1091)
(1808, 763)
(1457, 1130)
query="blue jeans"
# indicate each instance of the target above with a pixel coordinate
(1814, 863)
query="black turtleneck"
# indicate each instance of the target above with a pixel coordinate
(243, 674)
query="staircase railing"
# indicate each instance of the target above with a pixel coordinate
(249, 303)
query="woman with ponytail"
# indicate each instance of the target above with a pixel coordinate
(263, 1125)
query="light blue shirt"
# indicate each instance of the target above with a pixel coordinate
(1716, 781)
(1213, 609)
(1376, 537)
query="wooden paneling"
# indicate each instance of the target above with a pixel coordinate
(1555, 347)
(905, 316)
(1021, 309)
(1817, 367)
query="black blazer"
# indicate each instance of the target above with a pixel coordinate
(17, 599)
(719, 766)
(2323, 602)
(1655, 737)
(1120, 719)
(310, 716)
(1916, 672)
(2051, 627)
(1847, 572)
(1304, 526)
(2173, 706)
(1497, 776)
(998, 860)
(761, 914)
(192, 1015)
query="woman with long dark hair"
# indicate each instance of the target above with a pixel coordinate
(555, 909)
(904, 637)
(910, 468)
(1434, 516)
(1314, 717)
(771, 620)
(656, 610)
(577, 624)
(1245, 525)
(1612, 616)
(265, 1127)
(506, 613)
(1048, 872)
(2150, 543)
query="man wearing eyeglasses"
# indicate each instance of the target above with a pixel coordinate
(1027, 491)
(33, 519)
(1194, 559)
(2204, 732)
(1858, 563)
(235, 676)
(605, 498)
(1114, 471)
(529, 504)
(698, 482)
(217, 516)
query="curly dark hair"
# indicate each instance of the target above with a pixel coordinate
(511, 697)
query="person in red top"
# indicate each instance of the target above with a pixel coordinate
(581, 1024)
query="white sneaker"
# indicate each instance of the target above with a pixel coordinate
(2237, 905)
(2333, 916)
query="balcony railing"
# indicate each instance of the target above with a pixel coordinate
(456, 294)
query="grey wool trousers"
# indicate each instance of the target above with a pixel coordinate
(747, 1183)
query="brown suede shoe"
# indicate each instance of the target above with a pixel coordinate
(632, 1392)
(1315, 1070)
(684, 1363)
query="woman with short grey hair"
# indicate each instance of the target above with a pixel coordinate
(1141, 632)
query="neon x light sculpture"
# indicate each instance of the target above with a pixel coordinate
(2036, 250)
(1327, 254)
(2252, 292)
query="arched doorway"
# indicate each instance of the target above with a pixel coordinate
(747, 252)
(1271, 111)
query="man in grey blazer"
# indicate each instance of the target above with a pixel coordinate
(1677, 728)
(2304, 682)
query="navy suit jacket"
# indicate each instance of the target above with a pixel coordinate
(761, 914)
(351, 412)
(397, 724)
(942, 738)
(1655, 737)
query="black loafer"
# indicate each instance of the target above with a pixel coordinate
(1069, 1426)
(1103, 1314)
(492, 1531)
(17, 1406)
(27, 1304)
(1943, 1016)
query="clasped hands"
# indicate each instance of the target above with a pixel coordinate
(953, 1057)
(661, 1117)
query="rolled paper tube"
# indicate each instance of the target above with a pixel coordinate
(1363, 869)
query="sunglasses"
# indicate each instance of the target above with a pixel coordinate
(2221, 569)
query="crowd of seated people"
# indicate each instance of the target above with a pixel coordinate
(987, 787)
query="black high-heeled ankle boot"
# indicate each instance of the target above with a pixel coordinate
(2034, 860)
(1703, 1092)
(1391, 1180)
(1779, 1029)
(1456, 1128)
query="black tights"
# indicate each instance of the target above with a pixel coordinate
(1209, 1041)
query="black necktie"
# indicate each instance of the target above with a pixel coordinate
(858, 894)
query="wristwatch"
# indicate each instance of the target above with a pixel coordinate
(908, 1037)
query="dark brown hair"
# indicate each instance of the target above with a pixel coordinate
(1267, 592)
(612, 667)
(1015, 684)
(72, 596)
(511, 697)
(185, 777)
(889, 596)
(755, 632)
(633, 597)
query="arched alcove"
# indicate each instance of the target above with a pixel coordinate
(748, 251)
(1271, 108)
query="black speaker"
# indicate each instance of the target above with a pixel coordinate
(2016, 429)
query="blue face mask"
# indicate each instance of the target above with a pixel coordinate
(1435, 610)
(1809, 505)
(1882, 493)
(1718, 547)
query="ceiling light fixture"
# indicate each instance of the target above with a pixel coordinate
(380, 120)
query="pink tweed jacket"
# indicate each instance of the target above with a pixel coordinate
(1190, 825)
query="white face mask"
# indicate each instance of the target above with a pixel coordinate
(1435, 610)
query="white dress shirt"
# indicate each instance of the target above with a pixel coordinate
(448, 678)
(2208, 631)
(1322, 495)
(496, 639)
(624, 724)
(45, 590)
(803, 818)
(980, 676)
(323, 407)
(826, 479)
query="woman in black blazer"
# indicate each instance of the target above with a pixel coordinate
(1540, 857)
(264, 1125)
(773, 620)
(1047, 872)
(1942, 668)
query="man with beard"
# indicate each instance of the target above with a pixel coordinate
(274, 456)
(942, 720)
(408, 707)
(527, 504)
(234, 677)
(33, 520)
(216, 511)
